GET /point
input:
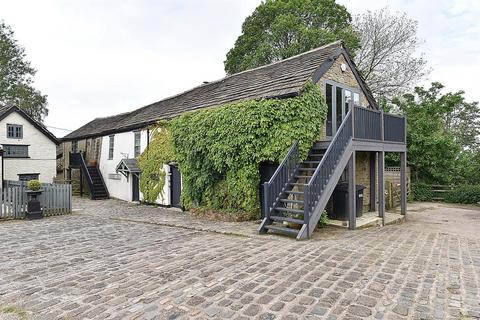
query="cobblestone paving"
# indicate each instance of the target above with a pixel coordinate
(93, 267)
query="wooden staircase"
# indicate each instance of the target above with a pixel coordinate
(298, 192)
(288, 214)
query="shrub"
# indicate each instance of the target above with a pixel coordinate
(219, 150)
(323, 219)
(34, 185)
(422, 192)
(469, 194)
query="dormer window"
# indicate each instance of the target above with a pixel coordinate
(14, 131)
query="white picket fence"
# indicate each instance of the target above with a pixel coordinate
(56, 199)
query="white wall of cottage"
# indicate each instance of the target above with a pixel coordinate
(41, 151)
(121, 187)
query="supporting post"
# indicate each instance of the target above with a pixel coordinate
(352, 192)
(381, 186)
(373, 178)
(81, 183)
(403, 183)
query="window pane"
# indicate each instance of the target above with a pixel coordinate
(110, 147)
(356, 99)
(339, 106)
(14, 151)
(328, 97)
(348, 99)
(136, 150)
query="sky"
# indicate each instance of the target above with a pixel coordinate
(99, 58)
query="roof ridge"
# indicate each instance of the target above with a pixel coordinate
(241, 72)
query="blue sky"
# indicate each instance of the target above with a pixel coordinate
(97, 58)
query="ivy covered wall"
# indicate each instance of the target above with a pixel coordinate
(219, 150)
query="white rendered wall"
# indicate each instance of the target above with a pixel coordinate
(41, 151)
(124, 148)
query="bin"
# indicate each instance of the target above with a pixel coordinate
(340, 202)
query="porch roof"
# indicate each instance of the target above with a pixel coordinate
(128, 165)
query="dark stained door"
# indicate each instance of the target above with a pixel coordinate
(176, 186)
(135, 188)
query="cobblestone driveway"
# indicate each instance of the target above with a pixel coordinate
(96, 264)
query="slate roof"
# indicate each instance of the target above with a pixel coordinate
(280, 79)
(6, 110)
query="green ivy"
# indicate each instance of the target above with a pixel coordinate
(219, 150)
(422, 192)
(151, 161)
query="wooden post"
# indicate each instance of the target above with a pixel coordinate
(373, 178)
(352, 221)
(403, 183)
(381, 186)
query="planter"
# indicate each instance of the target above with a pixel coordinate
(34, 208)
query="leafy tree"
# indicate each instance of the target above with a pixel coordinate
(279, 29)
(386, 57)
(16, 77)
(432, 146)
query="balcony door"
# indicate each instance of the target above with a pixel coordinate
(338, 98)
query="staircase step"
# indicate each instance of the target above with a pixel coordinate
(311, 162)
(282, 209)
(287, 219)
(291, 201)
(298, 184)
(282, 230)
(294, 192)
(303, 177)
(306, 169)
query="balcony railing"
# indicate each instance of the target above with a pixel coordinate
(376, 125)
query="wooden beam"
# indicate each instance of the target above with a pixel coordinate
(352, 221)
(373, 178)
(403, 183)
(381, 186)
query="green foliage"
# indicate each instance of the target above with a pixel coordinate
(34, 185)
(422, 192)
(279, 29)
(323, 219)
(15, 77)
(219, 150)
(432, 145)
(469, 194)
(159, 152)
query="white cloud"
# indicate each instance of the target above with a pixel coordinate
(97, 58)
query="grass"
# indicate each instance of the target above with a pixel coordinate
(21, 313)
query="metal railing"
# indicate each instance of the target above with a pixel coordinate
(77, 158)
(274, 188)
(320, 178)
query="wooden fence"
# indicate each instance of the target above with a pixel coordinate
(56, 199)
(392, 186)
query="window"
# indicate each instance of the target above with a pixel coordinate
(110, 146)
(74, 146)
(14, 131)
(28, 176)
(15, 151)
(136, 148)
(339, 98)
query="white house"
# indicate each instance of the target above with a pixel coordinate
(29, 149)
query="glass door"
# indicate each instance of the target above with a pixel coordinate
(338, 100)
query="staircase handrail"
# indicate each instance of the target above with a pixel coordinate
(313, 189)
(277, 183)
(83, 164)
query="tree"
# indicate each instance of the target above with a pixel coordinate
(16, 77)
(386, 56)
(279, 29)
(441, 136)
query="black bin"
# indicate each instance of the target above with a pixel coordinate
(340, 202)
